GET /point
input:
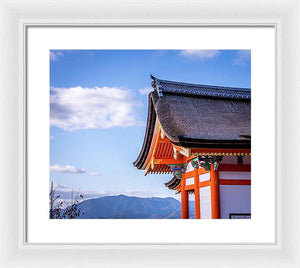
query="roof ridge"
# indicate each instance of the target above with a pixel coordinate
(198, 85)
(173, 87)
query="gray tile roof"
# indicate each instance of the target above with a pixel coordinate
(180, 88)
(186, 118)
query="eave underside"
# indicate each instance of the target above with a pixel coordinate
(164, 153)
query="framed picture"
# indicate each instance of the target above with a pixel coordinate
(89, 111)
(74, 124)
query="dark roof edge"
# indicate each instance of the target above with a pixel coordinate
(212, 144)
(173, 183)
(206, 90)
(217, 97)
(151, 118)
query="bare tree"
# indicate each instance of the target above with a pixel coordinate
(57, 210)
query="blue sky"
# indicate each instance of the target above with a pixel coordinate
(98, 101)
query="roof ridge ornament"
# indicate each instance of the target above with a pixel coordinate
(152, 77)
(156, 85)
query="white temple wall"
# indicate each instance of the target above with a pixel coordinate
(233, 160)
(205, 203)
(234, 199)
(229, 160)
(229, 175)
(247, 160)
(189, 167)
(204, 177)
(189, 181)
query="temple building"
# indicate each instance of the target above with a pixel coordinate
(201, 135)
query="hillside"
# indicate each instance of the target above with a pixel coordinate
(130, 207)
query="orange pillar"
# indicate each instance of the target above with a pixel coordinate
(184, 199)
(215, 192)
(197, 194)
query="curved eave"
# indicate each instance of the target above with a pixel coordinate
(159, 169)
(173, 183)
(151, 118)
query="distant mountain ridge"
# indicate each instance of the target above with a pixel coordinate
(131, 207)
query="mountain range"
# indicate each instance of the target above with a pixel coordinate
(131, 207)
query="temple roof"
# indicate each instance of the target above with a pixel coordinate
(198, 116)
(173, 183)
(180, 88)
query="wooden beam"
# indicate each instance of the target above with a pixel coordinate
(215, 192)
(184, 200)
(200, 171)
(187, 159)
(200, 185)
(168, 161)
(197, 194)
(234, 182)
(232, 167)
(189, 187)
(204, 183)
(164, 140)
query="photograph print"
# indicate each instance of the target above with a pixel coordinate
(150, 134)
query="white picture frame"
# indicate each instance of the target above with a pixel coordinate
(16, 16)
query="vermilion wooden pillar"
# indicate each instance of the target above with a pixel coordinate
(197, 194)
(184, 200)
(215, 192)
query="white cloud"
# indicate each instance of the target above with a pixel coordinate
(89, 108)
(54, 55)
(71, 169)
(199, 54)
(242, 58)
(66, 169)
(145, 91)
